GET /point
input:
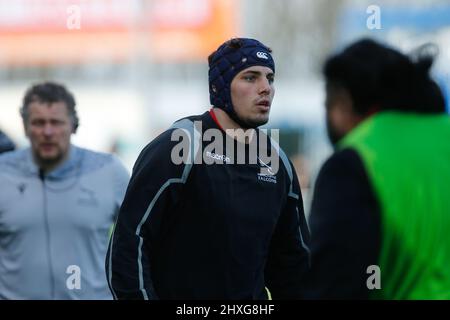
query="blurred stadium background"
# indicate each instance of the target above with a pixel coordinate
(136, 66)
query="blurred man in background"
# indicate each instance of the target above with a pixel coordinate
(57, 205)
(218, 228)
(5, 143)
(380, 216)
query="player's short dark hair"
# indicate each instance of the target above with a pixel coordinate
(49, 92)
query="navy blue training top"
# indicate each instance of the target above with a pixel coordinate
(209, 231)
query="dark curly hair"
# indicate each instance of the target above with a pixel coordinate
(381, 77)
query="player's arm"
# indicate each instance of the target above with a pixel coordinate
(288, 260)
(154, 188)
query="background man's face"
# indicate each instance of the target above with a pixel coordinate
(252, 92)
(340, 117)
(49, 128)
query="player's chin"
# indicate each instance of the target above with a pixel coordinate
(261, 120)
(50, 155)
(264, 116)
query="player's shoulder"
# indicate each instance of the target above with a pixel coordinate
(181, 128)
(345, 159)
(91, 160)
(15, 162)
(12, 156)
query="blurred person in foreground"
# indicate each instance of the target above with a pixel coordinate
(380, 216)
(57, 205)
(225, 222)
(6, 143)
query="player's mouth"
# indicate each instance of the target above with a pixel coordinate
(264, 105)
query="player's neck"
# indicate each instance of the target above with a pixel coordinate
(49, 166)
(231, 128)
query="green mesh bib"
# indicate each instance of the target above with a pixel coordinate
(407, 158)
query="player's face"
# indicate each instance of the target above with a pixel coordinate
(49, 128)
(252, 92)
